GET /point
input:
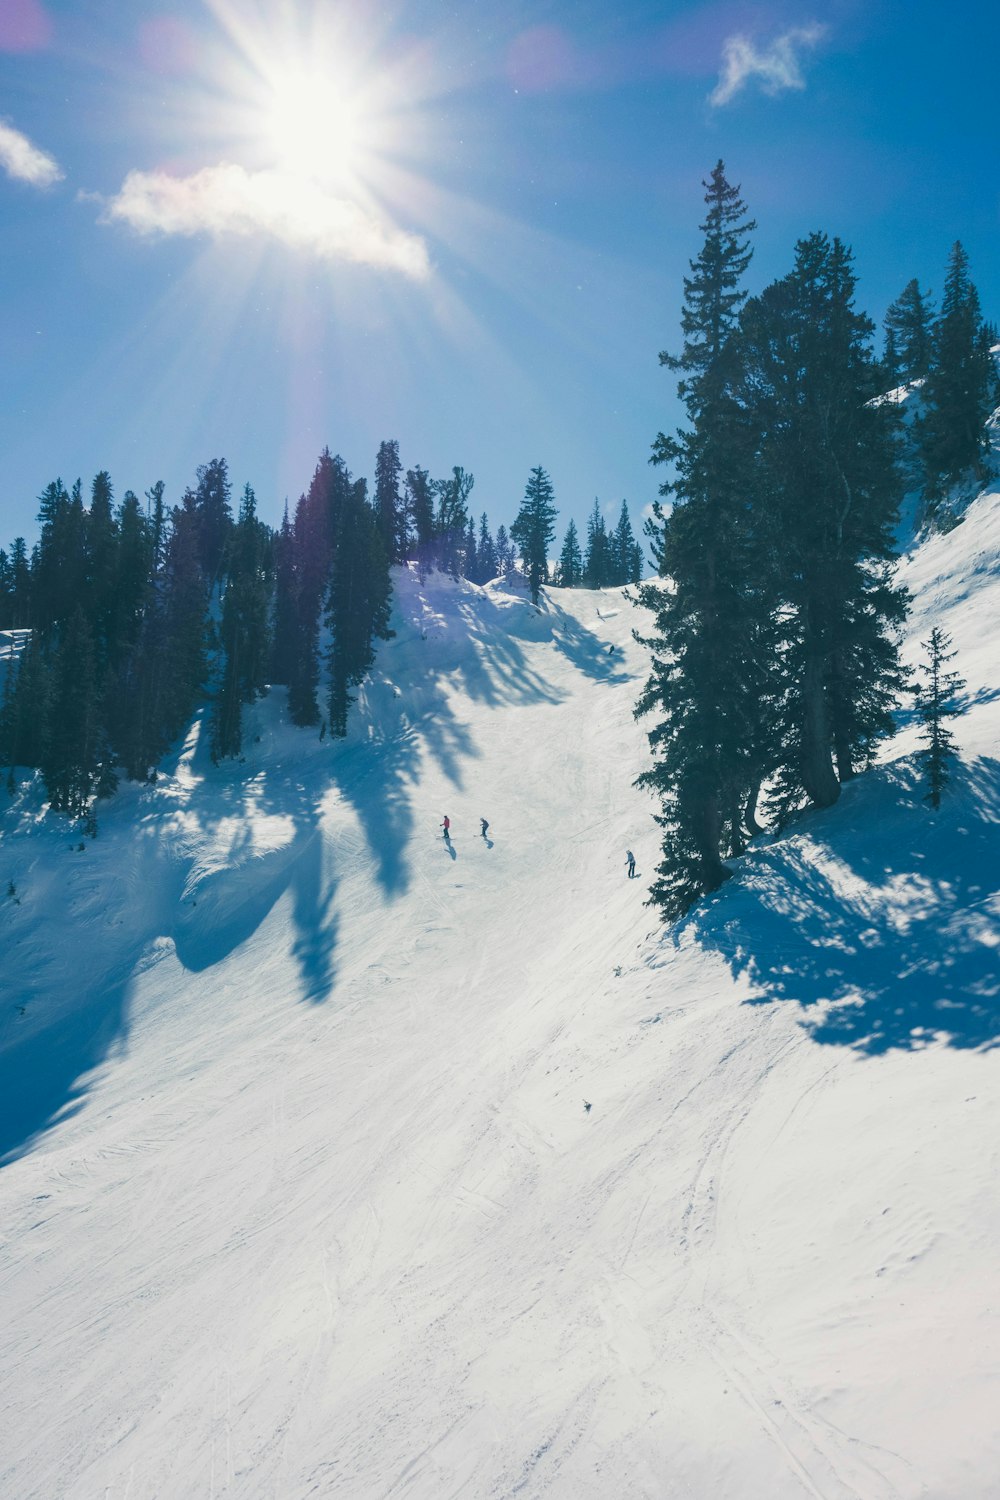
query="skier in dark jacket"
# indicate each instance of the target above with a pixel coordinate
(484, 827)
(630, 859)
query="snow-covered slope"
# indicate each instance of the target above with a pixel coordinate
(302, 1196)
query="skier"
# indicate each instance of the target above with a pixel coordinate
(630, 858)
(446, 825)
(484, 827)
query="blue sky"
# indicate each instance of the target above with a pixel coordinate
(251, 228)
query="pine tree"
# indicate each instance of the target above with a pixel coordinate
(957, 391)
(420, 505)
(25, 716)
(244, 627)
(452, 520)
(595, 566)
(937, 701)
(316, 531)
(826, 491)
(505, 552)
(71, 761)
(285, 604)
(702, 639)
(390, 509)
(470, 559)
(534, 529)
(359, 603)
(486, 552)
(625, 557)
(215, 517)
(19, 588)
(569, 574)
(58, 572)
(908, 336)
(184, 619)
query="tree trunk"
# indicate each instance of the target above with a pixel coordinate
(818, 775)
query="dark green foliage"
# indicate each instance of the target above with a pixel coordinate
(937, 701)
(24, 716)
(959, 388)
(390, 507)
(244, 628)
(317, 518)
(420, 506)
(215, 517)
(72, 756)
(825, 478)
(624, 555)
(15, 587)
(471, 553)
(703, 621)
(452, 522)
(596, 562)
(534, 529)
(486, 553)
(908, 337)
(285, 633)
(505, 553)
(569, 573)
(359, 602)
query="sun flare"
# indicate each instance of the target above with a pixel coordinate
(315, 126)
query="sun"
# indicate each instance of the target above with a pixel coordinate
(315, 125)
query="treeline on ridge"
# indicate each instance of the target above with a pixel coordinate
(137, 612)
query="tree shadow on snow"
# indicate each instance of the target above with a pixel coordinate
(54, 1036)
(881, 920)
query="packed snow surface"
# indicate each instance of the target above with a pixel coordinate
(342, 1162)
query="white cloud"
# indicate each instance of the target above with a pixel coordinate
(777, 66)
(20, 159)
(227, 199)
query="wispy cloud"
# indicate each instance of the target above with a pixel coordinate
(227, 199)
(21, 159)
(777, 67)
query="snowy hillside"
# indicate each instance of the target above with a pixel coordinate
(302, 1195)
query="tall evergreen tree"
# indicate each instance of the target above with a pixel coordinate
(471, 554)
(453, 520)
(570, 570)
(244, 628)
(486, 552)
(596, 561)
(285, 634)
(826, 479)
(359, 603)
(908, 336)
(420, 506)
(24, 722)
(937, 702)
(505, 552)
(958, 389)
(101, 566)
(184, 620)
(71, 761)
(317, 526)
(702, 633)
(534, 529)
(390, 508)
(215, 517)
(624, 553)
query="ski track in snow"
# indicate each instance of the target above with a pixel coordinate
(301, 1197)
